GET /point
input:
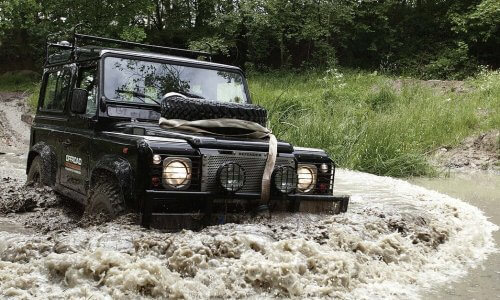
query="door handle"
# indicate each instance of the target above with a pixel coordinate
(66, 143)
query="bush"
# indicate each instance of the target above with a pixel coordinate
(451, 63)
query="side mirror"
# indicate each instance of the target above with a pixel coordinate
(79, 101)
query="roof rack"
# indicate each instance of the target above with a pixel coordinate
(78, 38)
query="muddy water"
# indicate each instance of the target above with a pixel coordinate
(482, 190)
(397, 241)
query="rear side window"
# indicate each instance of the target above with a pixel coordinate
(56, 90)
(87, 79)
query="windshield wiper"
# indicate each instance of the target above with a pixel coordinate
(138, 95)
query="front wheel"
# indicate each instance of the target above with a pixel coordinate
(36, 175)
(106, 198)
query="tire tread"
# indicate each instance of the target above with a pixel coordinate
(198, 109)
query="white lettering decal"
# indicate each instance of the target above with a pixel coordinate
(74, 160)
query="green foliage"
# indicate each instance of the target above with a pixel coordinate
(216, 45)
(26, 82)
(19, 81)
(134, 34)
(451, 63)
(34, 93)
(375, 123)
(426, 39)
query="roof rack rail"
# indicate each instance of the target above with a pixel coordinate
(79, 38)
(135, 44)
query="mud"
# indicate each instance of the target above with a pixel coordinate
(14, 133)
(37, 208)
(478, 152)
(396, 240)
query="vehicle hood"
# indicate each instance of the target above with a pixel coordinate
(196, 140)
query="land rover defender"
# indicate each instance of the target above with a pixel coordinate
(97, 137)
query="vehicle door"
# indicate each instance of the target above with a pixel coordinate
(51, 119)
(74, 173)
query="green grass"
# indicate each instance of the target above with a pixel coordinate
(27, 82)
(18, 81)
(32, 99)
(367, 122)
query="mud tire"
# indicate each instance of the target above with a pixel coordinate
(190, 109)
(36, 175)
(106, 198)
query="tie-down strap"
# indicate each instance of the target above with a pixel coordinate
(255, 131)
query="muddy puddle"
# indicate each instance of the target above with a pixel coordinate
(398, 240)
(12, 165)
(482, 189)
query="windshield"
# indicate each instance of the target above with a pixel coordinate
(127, 79)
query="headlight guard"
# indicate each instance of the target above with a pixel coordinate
(307, 175)
(176, 173)
(231, 177)
(285, 179)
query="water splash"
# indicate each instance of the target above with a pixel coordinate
(396, 240)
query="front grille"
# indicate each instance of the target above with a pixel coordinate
(252, 162)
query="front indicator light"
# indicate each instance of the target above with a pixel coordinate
(156, 159)
(306, 175)
(176, 173)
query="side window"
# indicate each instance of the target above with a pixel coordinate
(56, 90)
(87, 79)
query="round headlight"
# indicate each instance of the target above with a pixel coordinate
(285, 179)
(231, 177)
(306, 178)
(176, 173)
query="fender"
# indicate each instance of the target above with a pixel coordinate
(120, 168)
(49, 160)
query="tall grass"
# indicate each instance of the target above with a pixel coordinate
(18, 81)
(374, 123)
(27, 82)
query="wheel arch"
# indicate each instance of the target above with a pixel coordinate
(49, 160)
(120, 169)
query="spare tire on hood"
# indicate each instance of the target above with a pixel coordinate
(191, 109)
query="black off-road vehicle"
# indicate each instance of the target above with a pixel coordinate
(132, 130)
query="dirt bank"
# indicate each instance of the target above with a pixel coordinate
(14, 133)
(478, 152)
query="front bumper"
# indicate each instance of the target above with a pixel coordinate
(173, 210)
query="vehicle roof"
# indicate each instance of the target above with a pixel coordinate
(152, 55)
